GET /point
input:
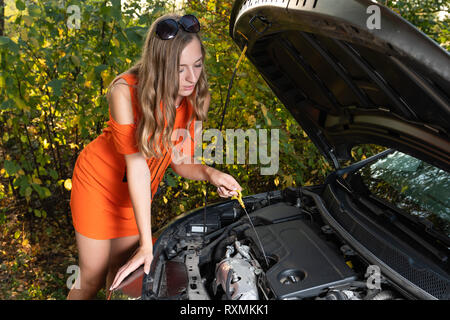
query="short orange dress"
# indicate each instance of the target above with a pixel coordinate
(100, 202)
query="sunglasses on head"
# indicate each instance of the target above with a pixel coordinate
(168, 28)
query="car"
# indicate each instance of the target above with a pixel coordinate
(351, 72)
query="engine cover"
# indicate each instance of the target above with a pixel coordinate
(305, 265)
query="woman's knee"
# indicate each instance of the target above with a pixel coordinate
(92, 278)
(93, 256)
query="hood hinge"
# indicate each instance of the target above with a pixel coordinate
(330, 152)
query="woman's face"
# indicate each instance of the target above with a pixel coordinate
(190, 69)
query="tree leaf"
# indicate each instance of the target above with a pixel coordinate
(75, 60)
(56, 85)
(20, 5)
(68, 184)
(11, 167)
(4, 41)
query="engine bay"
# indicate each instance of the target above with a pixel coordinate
(285, 252)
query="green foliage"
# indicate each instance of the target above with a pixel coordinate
(53, 80)
(430, 16)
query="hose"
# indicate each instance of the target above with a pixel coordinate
(204, 253)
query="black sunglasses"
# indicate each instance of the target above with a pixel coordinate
(168, 28)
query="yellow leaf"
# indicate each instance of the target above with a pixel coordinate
(34, 42)
(107, 77)
(165, 199)
(24, 34)
(127, 60)
(28, 20)
(36, 180)
(68, 184)
(21, 104)
(251, 120)
(276, 181)
(46, 144)
(25, 243)
(264, 110)
(265, 113)
(90, 75)
(288, 181)
(115, 42)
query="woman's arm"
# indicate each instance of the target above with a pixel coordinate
(226, 184)
(192, 171)
(138, 177)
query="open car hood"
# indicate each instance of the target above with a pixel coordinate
(347, 84)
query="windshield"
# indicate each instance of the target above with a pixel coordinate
(413, 186)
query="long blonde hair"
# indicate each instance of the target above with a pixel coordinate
(158, 77)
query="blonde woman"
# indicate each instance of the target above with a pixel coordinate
(116, 174)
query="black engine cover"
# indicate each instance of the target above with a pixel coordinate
(305, 265)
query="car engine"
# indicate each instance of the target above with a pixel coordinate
(290, 253)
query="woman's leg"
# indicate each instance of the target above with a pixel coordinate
(93, 259)
(121, 251)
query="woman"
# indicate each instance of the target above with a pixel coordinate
(111, 199)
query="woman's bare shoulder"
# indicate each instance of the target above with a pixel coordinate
(120, 103)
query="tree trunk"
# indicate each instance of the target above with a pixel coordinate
(2, 17)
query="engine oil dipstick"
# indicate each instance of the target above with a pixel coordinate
(241, 202)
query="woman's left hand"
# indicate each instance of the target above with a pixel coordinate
(226, 185)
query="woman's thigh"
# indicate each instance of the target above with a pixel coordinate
(93, 258)
(121, 250)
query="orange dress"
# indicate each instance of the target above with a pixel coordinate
(100, 202)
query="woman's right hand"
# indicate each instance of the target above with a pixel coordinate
(142, 256)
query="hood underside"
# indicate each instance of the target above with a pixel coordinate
(346, 81)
